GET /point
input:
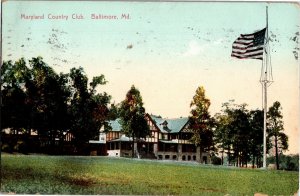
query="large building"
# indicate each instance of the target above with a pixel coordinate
(169, 139)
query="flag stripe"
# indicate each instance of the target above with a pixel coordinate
(241, 51)
(242, 43)
(245, 38)
(249, 56)
(242, 48)
(249, 46)
(253, 34)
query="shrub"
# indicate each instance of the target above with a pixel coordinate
(6, 148)
(21, 147)
(286, 162)
(216, 160)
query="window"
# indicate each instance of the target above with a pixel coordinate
(174, 157)
(167, 157)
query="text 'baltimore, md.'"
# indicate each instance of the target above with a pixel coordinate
(92, 16)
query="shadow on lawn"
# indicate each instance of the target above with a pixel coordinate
(29, 174)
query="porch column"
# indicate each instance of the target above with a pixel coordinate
(135, 150)
(179, 152)
(155, 149)
(198, 154)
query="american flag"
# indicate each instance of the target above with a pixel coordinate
(249, 46)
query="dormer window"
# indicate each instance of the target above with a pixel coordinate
(165, 125)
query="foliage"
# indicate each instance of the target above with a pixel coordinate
(238, 133)
(216, 160)
(132, 116)
(89, 110)
(108, 176)
(200, 121)
(286, 162)
(113, 112)
(48, 97)
(36, 98)
(275, 130)
(14, 98)
(256, 136)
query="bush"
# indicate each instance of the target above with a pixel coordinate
(6, 148)
(286, 162)
(21, 147)
(216, 160)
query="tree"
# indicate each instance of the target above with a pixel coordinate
(240, 127)
(35, 98)
(275, 130)
(222, 135)
(256, 136)
(48, 96)
(14, 98)
(88, 109)
(233, 132)
(200, 121)
(132, 117)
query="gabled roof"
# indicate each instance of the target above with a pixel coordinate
(174, 125)
(164, 125)
(115, 125)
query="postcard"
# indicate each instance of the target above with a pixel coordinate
(155, 98)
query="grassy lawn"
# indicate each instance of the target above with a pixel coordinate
(33, 174)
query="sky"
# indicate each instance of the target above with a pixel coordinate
(165, 49)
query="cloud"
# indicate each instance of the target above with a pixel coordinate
(193, 49)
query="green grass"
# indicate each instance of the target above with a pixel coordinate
(33, 174)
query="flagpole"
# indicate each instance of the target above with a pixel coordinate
(265, 86)
(255, 46)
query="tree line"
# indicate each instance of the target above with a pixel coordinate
(36, 98)
(236, 131)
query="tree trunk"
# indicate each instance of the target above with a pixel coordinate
(132, 145)
(276, 152)
(201, 160)
(237, 159)
(228, 155)
(222, 159)
(253, 161)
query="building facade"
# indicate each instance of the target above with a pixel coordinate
(169, 139)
